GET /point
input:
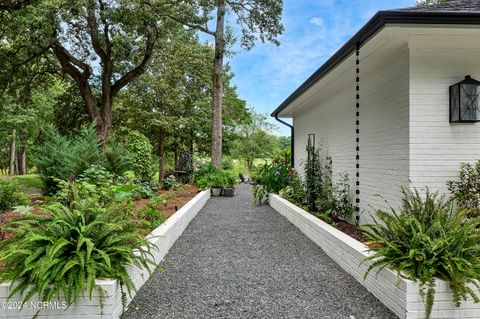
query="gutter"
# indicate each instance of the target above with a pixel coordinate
(368, 31)
(292, 139)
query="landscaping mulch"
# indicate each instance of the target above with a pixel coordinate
(349, 229)
(238, 260)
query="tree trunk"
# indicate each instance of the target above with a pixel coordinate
(16, 163)
(250, 165)
(13, 151)
(176, 156)
(217, 92)
(20, 162)
(23, 167)
(161, 159)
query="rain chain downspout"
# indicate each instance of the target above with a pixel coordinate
(292, 139)
(357, 133)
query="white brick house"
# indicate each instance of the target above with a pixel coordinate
(408, 59)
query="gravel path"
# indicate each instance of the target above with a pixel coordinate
(237, 260)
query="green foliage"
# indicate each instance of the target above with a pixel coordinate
(67, 248)
(102, 186)
(314, 185)
(295, 192)
(271, 179)
(255, 140)
(204, 169)
(326, 215)
(427, 240)
(342, 198)
(117, 157)
(170, 183)
(205, 182)
(140, 147)
(31, 181)
(11, 196)
(60, 157)
(466, 190)
(153, 214)
(227, 163)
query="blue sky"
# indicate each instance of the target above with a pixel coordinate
(314, 30)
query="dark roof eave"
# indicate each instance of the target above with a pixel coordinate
(370, 29)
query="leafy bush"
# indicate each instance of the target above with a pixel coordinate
(426, 240)
(205, 169)
(295, 192)
(68, 247)
(270, 179)
(227, 163)
(230, 179)
(318, 181)
(466, 190)
(153, 214)
(205, 182)
(63, 158)
(139, 145)
(11, 196)
(342, 198)
(117, 157)
(170, 183)
(99, 184)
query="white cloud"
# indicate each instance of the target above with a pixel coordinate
(316, 21)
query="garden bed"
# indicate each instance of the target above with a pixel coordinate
(163, 237)
(399, 295)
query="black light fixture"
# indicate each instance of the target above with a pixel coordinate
(465, 101)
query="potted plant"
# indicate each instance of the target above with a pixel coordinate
(230, 182)
(217, 182)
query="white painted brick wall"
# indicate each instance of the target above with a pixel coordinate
(163, 237)
(437, 147)
(399, 295)
(383, 129)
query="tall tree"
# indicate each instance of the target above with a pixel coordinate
(257, 19)
(255, 140)
(102, 45)
(162, 102)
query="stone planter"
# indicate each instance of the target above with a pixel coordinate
(216, 191)
(163, 237)
(399, 295)
(229, 191)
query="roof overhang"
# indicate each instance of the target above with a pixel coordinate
(376, 24)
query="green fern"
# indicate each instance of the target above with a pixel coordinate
(63, 251)
(426, 240)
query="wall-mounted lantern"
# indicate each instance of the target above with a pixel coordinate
(465, 101)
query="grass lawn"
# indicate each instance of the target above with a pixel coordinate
(29, 184)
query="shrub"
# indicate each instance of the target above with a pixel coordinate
(426, 240)
(227, 163)
(342, 198)
(99, 184)
(153, 214)
(68, 247)
(270, 179)
(466, 191)
(62, 158)
(11, 196)
(117, 157)
(141, 149)
(170, 183)
(205, 169)
(205, 181)
(294, 192)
